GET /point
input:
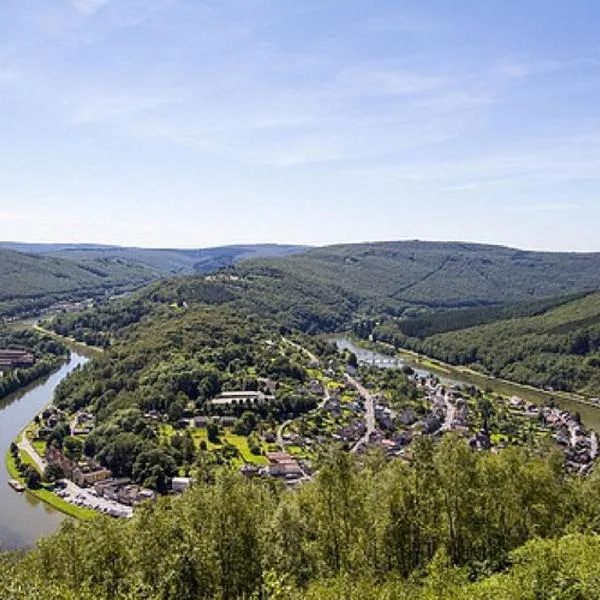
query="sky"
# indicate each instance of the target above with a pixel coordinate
(194, 123)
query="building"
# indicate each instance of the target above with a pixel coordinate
(82, 473)
(240, 397)
(281, 464)
(12, 359)
(180, 484)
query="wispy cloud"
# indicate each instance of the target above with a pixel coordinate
(551, 207)
(89, 7)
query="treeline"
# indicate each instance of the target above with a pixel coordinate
(432, 323)
(453, 524)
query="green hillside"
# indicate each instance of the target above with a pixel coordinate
(166, 261)
(559, 348)
(394, 275)
(28, 278)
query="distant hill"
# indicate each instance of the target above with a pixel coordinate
(31, 275)
(163, 261)
(536, 316)
(435, 275)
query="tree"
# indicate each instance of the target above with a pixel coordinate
(33, 479)
(154, 468)
(352, 360)
(212, 433)
(176, 410)
(53, 471)
(73, 447)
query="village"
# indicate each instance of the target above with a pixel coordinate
(352, 407)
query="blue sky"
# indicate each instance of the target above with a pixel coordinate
(193, 123)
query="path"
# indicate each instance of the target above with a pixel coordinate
(25, 445)
(321, 404)
(369, 411)
(306, 351)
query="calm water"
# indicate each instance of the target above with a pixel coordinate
(23, 518)
(590, 415)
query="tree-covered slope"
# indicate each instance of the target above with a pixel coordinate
(559, 348)
(30, 275)
(166, 261)
(393, 275)
(455, 524)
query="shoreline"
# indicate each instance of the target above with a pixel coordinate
(44, 495)
(442, 369)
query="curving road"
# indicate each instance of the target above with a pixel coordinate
(25, 445)
(369, 411)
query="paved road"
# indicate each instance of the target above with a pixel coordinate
(450, 411)
(84, 497)
(25, 444)
(369, 411)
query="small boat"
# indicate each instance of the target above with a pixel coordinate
(15, 485)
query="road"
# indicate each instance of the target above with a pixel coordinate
(306, 351)
(369, 411)
(25, 445)
(450, 411)
(321, 404)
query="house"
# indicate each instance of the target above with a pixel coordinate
(180, 484)
(108, 488)
(281, 464)
(200, 422)
(84, 474)
(81, 473)
(249, 470)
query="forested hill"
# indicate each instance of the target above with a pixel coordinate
(560, 347)
(394, 275)
(28, 275)
(164, 261)
(326, 289)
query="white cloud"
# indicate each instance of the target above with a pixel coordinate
(89, 7)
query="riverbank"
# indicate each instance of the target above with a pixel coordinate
(25, 517)
(70, 342)
(589, 411)
(43, 494)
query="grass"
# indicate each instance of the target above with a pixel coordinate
(45, 495)
(40, 446)
(27, 460)
(239, 441)
(77, 512)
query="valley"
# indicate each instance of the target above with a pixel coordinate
(207, 384)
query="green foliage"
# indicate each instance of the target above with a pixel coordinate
(455, 524)
(33, 479)
(29, 282)
(559, 348)
(49, 355)
(52, 472)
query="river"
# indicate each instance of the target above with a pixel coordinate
(24, 518)
(590, 415)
